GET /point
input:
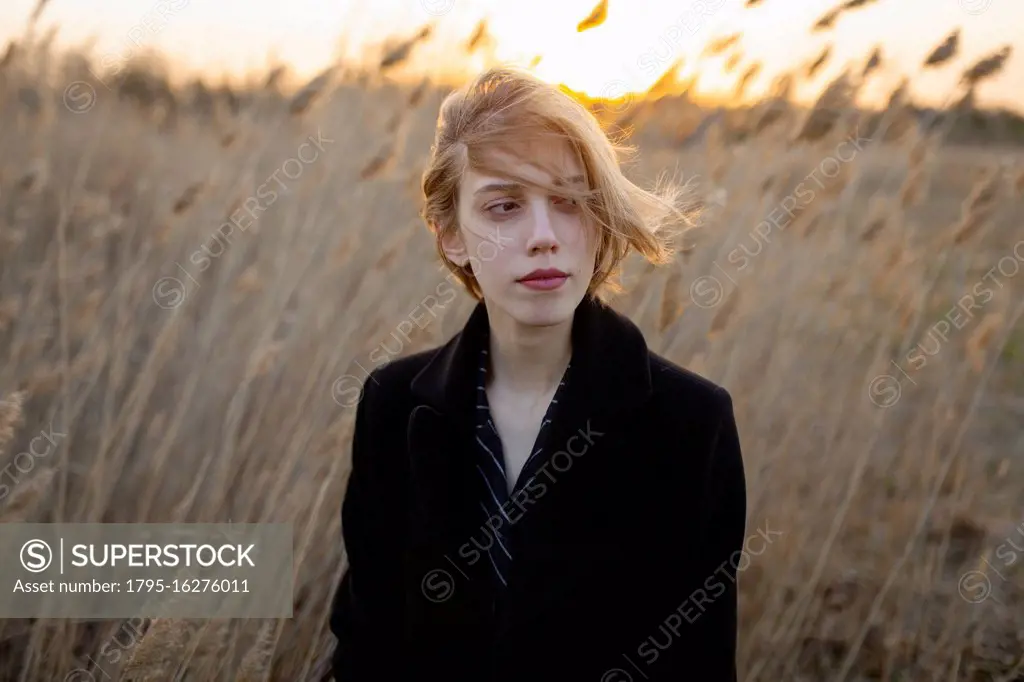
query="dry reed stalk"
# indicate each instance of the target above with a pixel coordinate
(9, 308)
(782, 88)
(672, 305)
(809, 218)
(816, 124)
(187, 198)
(9, 55)
(986, 67)
(816, 65)
(892, 268)
(982, 337)
(914, 185)
(840, 181)
(666, 84)
(273, 79)
(908, 312)
(87, 310)
(768, 113)
(264, 359)
(156, 428)
(11, 239)
(978, 207)
(744, 82)
(965, 104)
(835, 102)
(597, 16)
(725, 315)
(477, 38)
(899, 97)
(873, 62)
(248, 281)
(912, 190)
(26, 496)
(256, 663)
(401, 52)
(212, 649)
(878, 219)
(827, 20)
(309, 93)
(416, 97)
(775, 107)
(717, 150)
(945, 51)
(38, 11)
(804, 216)
(719, 46)
(11, 417)
(396, 120)
(36, 177)
(342, 253)
(414, 183)
(732, 62)
(384, 161)
(387, 259)
(156, 657)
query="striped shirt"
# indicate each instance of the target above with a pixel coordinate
(494, 499)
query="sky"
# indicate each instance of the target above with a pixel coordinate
(626, 53)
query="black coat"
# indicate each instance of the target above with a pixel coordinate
(626, 554)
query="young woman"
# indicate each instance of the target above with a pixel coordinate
(542, 497)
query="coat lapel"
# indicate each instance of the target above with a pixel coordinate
(444, 507)
(610, 364)
(445, 589)
(441, 497)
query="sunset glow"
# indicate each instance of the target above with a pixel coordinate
(627, 52)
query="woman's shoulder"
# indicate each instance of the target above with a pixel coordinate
(699, 410)
(677, 390)
(393, 378)
(684, 387)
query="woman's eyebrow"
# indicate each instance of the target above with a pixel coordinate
(499, 187)
(515, 186)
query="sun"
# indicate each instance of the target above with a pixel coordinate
(595, 61)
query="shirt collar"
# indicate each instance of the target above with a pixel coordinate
(610, 363)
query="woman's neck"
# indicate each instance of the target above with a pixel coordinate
(528, 359)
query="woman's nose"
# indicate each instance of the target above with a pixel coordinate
(542, 233)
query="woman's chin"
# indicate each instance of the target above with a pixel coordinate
(552, 308)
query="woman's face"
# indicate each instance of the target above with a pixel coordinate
(508, 232)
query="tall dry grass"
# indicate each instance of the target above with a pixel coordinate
(224, 405)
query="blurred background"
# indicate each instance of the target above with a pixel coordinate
(209, 236)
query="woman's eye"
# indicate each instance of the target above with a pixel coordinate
(565, 201)
(502, 207)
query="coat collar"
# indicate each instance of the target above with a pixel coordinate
(610, 365)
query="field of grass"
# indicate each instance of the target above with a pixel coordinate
(198, 370)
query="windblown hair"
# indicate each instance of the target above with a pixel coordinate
(505, 107)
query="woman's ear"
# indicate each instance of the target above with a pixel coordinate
(454, 248)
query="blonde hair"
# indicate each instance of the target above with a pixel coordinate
(504, 107)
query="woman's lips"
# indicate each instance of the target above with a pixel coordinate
(544, 283)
